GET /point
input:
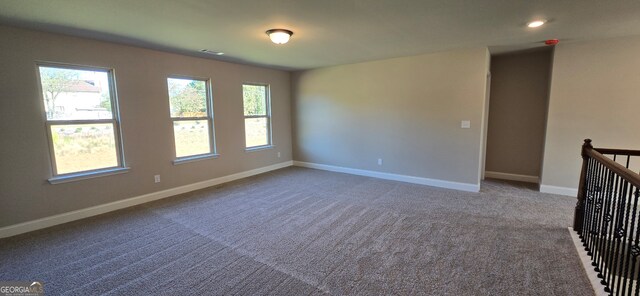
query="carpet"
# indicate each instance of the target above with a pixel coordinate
(299, 231)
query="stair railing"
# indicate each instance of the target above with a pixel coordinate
(607, 216)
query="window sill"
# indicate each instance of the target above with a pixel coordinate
(258, 148)
(87, 175)
(187, 159)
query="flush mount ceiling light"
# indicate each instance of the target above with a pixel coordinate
(279, 36)
(536, 23)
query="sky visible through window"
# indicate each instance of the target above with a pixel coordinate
(188, 100)
(256, 122)
(70, 95)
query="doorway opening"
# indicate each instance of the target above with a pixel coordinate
(518, 106)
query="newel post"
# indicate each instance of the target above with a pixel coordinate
(579, 211)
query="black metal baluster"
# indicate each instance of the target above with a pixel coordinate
(622, 226)
(594, 212)
(622, 232)
(634, 248)
(594, 201)
(604, 229)
(617, 224)
(588, 203)
(592, 204)
(602, 226)
(611, 238)
(597, 229)
(635, 260)
(627, 243)
(608, 219)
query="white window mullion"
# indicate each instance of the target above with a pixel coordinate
(81, 121)
(257, 115)
(191, 114)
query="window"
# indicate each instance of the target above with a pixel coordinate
(82, 121)
(192, 115)
(257, 115)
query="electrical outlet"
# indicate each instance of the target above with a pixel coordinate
(156, 178)
(278, 154)
(465, 124)
(379, 161)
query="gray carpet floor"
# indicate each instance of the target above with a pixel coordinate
(300, 231)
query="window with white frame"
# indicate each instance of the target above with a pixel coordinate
(192, 115)
(257, 115)
(82, 120)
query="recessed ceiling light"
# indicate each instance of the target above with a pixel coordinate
(211, 52)
(536, 23)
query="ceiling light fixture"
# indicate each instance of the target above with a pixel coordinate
(536, 23)
(279, 36)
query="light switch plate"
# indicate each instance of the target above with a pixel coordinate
(465, 124)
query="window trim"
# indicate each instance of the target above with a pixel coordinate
(115, 121)
(267, 116)
(70, 177)
(192, 158)
(213, 150)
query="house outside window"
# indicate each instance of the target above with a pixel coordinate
(81, 119)
(191, 110)
(257, 116)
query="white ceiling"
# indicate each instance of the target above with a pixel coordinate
(326, 32)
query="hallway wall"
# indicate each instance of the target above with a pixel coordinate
(406, 111)
(594, 94)
(147, 129)
(517, 113)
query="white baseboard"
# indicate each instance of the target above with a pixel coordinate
(24, 227)
(559, 190)
(512, 177)
(585, 259)
(394, 177)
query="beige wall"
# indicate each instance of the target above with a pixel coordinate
(147, 131)
(517, 113)
(406, 111)
(595, 93)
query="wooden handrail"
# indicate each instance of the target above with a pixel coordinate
(607, 217)
(627, 174)
(618, 151)
(597, 153)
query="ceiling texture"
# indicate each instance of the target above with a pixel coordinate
(326, 32)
